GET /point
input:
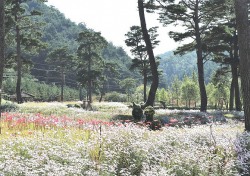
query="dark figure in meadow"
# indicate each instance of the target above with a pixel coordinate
(149, 113)
(137, 112)
(154, 124)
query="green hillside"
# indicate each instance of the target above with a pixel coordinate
(59, 31)
(172, 65)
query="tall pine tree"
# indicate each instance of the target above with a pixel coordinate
(196, 17)
(222, 44)
(89, 51)
(151, 57)
(242, 19)
(63, 61)
(26, 35)
(138, 48)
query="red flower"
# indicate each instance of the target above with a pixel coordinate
(173, 121)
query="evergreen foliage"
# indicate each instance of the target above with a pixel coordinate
(60, 32)
(26, 35)
(138, 48)
(178, 65)
(41, 91)
(89, 59)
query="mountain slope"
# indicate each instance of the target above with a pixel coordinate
(183, 65)
(59, 31)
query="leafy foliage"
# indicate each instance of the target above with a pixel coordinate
(8, 107)
(41, 91)
(89, 59)
(61, 32)
(115, 97)
(190, 90)
(178, 65)
(138, 47)
(129, 85)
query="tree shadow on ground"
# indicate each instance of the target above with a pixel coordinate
(120, 117)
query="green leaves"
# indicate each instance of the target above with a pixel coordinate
(62, 58)
(35, 12)
(89, 40)
(138, 47)
(178, 36)
(190, 90)
(90, 61)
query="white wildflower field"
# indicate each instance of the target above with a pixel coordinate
(36, 144)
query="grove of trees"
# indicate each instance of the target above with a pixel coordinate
(40, 44)
(242, 18)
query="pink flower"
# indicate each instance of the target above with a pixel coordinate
(173, 121)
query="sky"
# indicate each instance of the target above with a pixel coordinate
(113, 18)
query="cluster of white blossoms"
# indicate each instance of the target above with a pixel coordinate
(242, 146)
(123, 150)
(111, 104)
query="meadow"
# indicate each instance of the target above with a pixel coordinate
(52, 139)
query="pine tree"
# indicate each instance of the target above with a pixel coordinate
(63, 61)
(242, 20)
(26, 35)
(221, 43)
(138, 49)
(109, 71)
(89, 58)
(152, 61)
(196, 16)
(129, 85)
(176, 89)
(189, 90)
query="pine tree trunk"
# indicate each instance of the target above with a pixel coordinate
(232, 87)
(234, 90)
(2, 49)
(2, 42)
(80, 93)
(203, 93)
(236, 86)
(62, 84)
(153, 66)
(238, 105)
(90, 91)
(145, 80)
(235, 73)
(89, 79)
(242, 13)
(100, 100)
(231, 99)
(19, 61)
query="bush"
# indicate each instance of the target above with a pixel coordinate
(73, 106)
(115, 97)
(41, 91)
(7, 107)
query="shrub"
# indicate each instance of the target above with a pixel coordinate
(7, 107)
(149, 113)
(115, 97)
(41, 91)
(242, 146)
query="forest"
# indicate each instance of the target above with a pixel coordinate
(59, 34)
(72, 103)
(55, 33)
